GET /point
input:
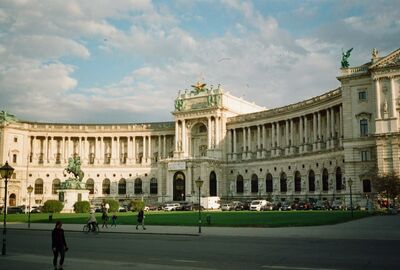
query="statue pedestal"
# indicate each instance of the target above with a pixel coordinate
(70, 196)
(72, 191)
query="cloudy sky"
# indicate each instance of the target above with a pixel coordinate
(125, 61)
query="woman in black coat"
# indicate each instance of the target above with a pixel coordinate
(58, 244)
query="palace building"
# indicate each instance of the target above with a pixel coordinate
(310, 149)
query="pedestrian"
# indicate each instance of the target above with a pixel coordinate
(114, 220)
(107, 207)
(58, 245)
(140, 219)
(104, 217)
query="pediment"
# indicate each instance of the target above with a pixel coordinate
(392, 59)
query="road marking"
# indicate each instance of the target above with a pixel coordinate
(294, 268)
(186, 261)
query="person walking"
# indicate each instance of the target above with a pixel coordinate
(104, 217)
(140, 219)
(59, 245)
(114, 220)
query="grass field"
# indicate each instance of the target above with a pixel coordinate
(221, 219)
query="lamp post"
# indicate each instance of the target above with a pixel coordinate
(350, 182)
(6, 171)
(199, 183)
(30, 189)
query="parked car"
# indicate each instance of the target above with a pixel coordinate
(185, 206)
(246, 205)
(258, 205)
(14, 210)
(172, 207)
(337, 205)
(285, 207)
(302, 206)
(237, 206)
(195, 207)
(122, 209)
(226, 207)
(36, 209)
(318, 205)
(151, 208)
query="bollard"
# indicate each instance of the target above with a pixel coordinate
(50, 217)
(208, 220)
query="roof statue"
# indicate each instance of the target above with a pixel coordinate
(375, 53)
(345, 57)
(198, 87)
(7, 117)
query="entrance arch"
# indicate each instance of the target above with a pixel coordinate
(213, 184)
(179, 187)
(12, 200)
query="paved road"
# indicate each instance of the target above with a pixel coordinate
(213, 250)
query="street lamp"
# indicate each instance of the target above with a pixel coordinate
(350, 182)
(199, 183)
(30, 189)
(5, 171)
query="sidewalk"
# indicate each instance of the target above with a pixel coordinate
(376, 227)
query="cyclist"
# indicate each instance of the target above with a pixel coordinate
(92, 222)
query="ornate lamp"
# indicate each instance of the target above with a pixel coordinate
(199, 184)
(6, 172)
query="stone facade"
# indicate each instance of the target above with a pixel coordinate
(240, 150)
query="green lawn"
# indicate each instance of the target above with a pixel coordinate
(227, 219)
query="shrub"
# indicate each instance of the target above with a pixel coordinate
(82, 207)
(114, 205)
(136, 205)
(52, 206)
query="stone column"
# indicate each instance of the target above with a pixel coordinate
(393, 99)
(301, 134)
(209, 132)
(314, 131)
(165, 146)
(378, 99)
(51, 149)
(129, 149)
(159, 148)
(101, 152)
(340, 125)
(234, 144)
(328, 127)
(244, 144)
(306, 139)
(134, 149)
(264, 141)
(144, 159)
(278, 135)
(291, 142)
(258, 141)
(45, 150)
(184, 138)
(332, 135)
(229, 144)
(286, 137)
(118, 151)
(319, 136)
(150, 154)
(176, 135)
(249, 153)
(273, 149)
(62, 151)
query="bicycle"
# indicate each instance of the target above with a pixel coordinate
(87, 229)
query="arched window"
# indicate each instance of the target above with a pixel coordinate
(122, 186)
(239, 184)
(106, 186)
(325, 177)
(213, 184)
(366, 186)
(153, 186)
(297, 182)
(138, 186)
(338, 179)
(254, 183)
(12, 199)
(55, 186)
(39, 186)
(311, 181)
(90, 185)
(268, 183)
(283, 182)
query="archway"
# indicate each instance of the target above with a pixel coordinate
(213, 184)
(179, 187)
(12, 200)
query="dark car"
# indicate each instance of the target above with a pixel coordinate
(14, 210)
(237, 206)
(246, 205)
(285, 207)
(186, 206)
(195, 207)
(303, 206)
(318, 205)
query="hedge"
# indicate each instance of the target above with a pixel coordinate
(52, 206)
(82, 207)
(136, 205)
(114, 205)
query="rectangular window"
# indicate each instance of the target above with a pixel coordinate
(15, 139)
(363, 127)
(14, 158)
(362, 95)
(364, 155)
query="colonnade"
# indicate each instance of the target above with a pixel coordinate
(113, 150)
(316, 131)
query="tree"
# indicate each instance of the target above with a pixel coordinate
(387, 184)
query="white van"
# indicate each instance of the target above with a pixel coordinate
(258, 205)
